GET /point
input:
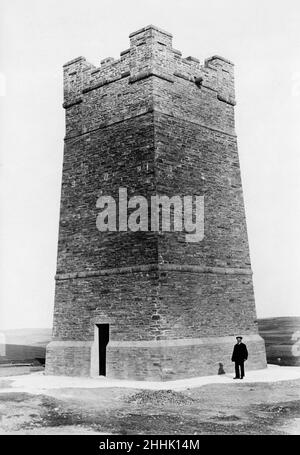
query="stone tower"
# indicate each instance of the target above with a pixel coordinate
(149, 305)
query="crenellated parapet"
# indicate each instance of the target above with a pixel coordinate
(129, 86)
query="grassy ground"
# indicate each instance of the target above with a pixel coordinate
(237, 408)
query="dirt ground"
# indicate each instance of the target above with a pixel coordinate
(237, 408)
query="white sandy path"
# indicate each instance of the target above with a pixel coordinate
(37, 383)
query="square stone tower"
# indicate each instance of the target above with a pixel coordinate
(150, 305)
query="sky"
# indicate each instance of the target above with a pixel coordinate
(37, 37)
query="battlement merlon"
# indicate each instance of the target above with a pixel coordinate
(150, 54)
(150, 32)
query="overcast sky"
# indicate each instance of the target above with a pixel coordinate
(37, 37)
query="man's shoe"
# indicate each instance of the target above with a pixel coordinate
(242, 377)
(236, 377)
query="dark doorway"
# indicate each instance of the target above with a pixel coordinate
(103, 333)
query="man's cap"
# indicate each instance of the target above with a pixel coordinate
(239, 338)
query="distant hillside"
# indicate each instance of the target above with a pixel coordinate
(282, 339)
(24, 345)
(30, 337)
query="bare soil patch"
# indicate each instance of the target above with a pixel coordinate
(238, 408)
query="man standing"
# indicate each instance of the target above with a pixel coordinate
(239, 355)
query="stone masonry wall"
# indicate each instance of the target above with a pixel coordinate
(155, 305)
(155, 123)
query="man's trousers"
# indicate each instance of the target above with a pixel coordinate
(239, 369)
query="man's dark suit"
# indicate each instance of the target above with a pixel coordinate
(239, 355)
